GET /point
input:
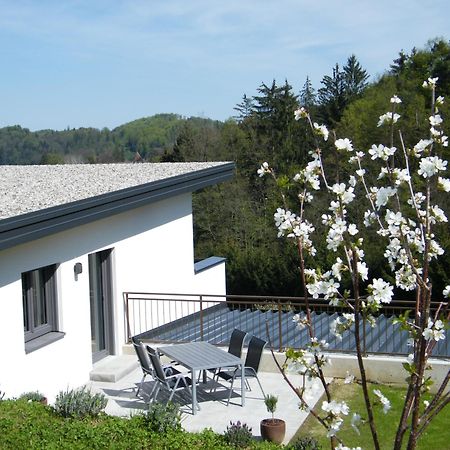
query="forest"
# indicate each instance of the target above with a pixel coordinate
(235, 219)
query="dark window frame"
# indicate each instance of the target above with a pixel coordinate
(39, 294)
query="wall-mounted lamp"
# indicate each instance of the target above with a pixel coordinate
(77, 269)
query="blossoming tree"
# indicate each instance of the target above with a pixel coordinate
(401, 210)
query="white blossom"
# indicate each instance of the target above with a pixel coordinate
(430, 83)
(435, 120)
(344, 144)
(300, 321)
(300, 113)
(431, 165)
(384, 401)
(263, 169)
(421, 146)
(335, 407)
(395, 99)
(355, 422)
(352, 230)
(388, 118)
(380, 291)
(382, 152)
(343, 447)
(434, 330)
(437, 215)
(444, 184)
(383, 194)
(440, 100)
(321, 130)
(446, 291)
(363, 270)
(335, 426)
(337, 268)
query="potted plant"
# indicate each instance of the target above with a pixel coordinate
(272, 429)
(34, 396)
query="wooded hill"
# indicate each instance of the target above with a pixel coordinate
(235, 219)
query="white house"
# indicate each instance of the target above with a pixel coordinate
(73, 238)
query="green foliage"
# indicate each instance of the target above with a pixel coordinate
(271, 403)
(238, 434)
(304, 443)
(162, 418)
(32, 426)
(235, 219)
(34, 396)
(79, 403)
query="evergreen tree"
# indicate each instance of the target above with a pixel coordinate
(307, 95)
(245, 109)
(355, 78)
(332, 97)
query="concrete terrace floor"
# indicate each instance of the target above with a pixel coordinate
(214, 413)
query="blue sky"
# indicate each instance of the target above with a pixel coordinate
(101, 63)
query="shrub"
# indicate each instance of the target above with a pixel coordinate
(271, 403)
(238, 434)
(79, 403)
(33, 396)
(305, 443)
(162, 418)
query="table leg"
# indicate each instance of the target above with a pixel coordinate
(242, 385)
(194, 392)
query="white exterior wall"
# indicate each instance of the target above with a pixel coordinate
(153, 252)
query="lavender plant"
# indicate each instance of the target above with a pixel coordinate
(403, 214)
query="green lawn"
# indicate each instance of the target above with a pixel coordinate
(437, 436)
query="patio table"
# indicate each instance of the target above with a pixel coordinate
(198, 356)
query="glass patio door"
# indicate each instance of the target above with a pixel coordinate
(100, 293)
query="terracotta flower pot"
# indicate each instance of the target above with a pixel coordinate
(273, 430)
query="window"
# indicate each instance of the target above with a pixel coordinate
(39, 304)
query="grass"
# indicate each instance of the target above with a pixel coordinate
(436, 437)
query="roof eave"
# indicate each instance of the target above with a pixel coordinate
(38, 224)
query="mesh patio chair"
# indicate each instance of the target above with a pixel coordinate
(237, 342)
(251, 366)
(144, 361)
(142, 353)
(235, 346)
(172, 382)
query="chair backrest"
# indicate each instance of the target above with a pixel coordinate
(142, 355)
(236, 342)
(254, 353)
(158, 371)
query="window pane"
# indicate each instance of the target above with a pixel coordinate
(39, 299)
(26, 309)
(39, 302)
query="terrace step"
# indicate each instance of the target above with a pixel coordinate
(113, 368)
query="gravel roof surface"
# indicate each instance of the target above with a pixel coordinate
(24, 189)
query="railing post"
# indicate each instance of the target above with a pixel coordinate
(127, 317)
(201, 317)
(280, 328)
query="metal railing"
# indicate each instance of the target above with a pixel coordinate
(163, 317)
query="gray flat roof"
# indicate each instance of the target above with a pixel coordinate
(25, 189)
(37, 201)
